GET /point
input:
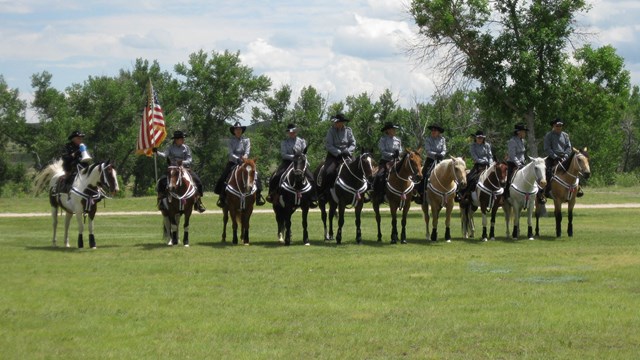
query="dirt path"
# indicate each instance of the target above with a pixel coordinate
(268, 210)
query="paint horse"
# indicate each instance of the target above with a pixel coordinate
(564, 185)
(487, 196)
(440, 193)
(403, 175)
(179, 200)
(90, 186)
(241, 197)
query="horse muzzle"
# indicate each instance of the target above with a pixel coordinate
(586, 175)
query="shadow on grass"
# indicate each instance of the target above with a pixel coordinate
(71, 248)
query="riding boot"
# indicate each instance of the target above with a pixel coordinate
(222, 199)
(259, 199)
(199, 206)
(579, 193)
(541, 198)
(160, 202)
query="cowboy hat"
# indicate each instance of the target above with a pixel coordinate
(556, 121)
(389, 125)
(519, 127)
(178, 135)
(436, 127)
(236, 126)
(339, 118)
(479, 134)
(291, 128)
(76, 133)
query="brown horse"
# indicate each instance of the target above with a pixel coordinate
(241, 196)
(348, 190)
(441, 190)
(401, 180)
(487, 196)
(181, 191)
(564, 184)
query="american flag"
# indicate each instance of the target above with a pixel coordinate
(152, 129)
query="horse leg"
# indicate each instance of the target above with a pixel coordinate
(244, 220)
(80, 229)
(92, 238)
(529, 220)
(234, 228)
(425, 214)
(332, 214)
(447, 222)
(67, 222)
(225, 219)
(175, 224)
(507, 217)
(54, 220)
(185, 236)
(484, 224)
(166, 222)
(516, 222)
(403, 222)
(434, 223)
(463, 220)
(340, 224)
(305, 232)
(358, 222)
(558, 213)
(492, 233)
(570, 218)
(376, 210)
(394, 224)
(287, 226)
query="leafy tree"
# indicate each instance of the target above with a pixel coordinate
(214, 92)
(13, 130)
(308, 113)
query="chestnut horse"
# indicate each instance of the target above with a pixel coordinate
(440, 192)
(241, 196)
(564, 184)
(487, 196)
(88, 189)
(401, 180)
(181, 191)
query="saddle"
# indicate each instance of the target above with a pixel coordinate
(64, 184)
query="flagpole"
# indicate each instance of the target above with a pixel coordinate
(155, 165)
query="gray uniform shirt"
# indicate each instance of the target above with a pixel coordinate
(174, 153)
(557, 145)
(239, 147)
(516, 150)
(289, 146)
(481, 153)
(388, 146)
(435, 146)
(338, 140)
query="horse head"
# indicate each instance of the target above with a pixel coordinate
(247, 176)
(176, 177)
(414, 161)
(459, 167)
(581, 161)
(299, 167)
(539, 168)
(500, 169)
(109, 178)
(366, 164)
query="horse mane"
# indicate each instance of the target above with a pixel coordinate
(399, 164)
(567, 162)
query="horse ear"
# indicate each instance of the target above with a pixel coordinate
(585, 149)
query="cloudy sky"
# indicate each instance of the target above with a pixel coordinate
(341, 47)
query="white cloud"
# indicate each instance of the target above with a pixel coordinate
(371, 38)
(263, 56)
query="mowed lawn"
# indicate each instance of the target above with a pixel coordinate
(136, 298)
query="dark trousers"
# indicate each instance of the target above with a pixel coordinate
(381, 177)
(427, 168)
(162, 183)
(222, 180)
(331, 164)
(474, 174)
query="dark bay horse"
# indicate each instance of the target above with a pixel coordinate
(401, 180)
(441, 190)
(351, 183)
(487, 196)
(241, 197)
(294, 191)
(88, 189)
(564, 184)
(179, 200)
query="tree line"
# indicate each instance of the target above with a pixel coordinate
(521, 72)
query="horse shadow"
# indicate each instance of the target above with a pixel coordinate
(65, 249)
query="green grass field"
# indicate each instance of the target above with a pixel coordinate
(135, 298)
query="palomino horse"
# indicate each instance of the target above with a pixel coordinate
(564, 184)
(401, 180)
(294, 191)
(440, 192)
(351, 183)
(241, 196)
(525, 185)
(179, 200)
(88, 189)
(487, 196)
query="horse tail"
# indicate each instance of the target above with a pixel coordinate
(45, 176)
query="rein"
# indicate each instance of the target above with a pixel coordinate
(495, 190)
(285, 185)
(356, 192)
(444, 195)
(402, 194)
(571, 188)
(239, 194)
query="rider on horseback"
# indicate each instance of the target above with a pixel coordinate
(177, 152)
(436, 148)
(515, 154)
(239, 148)
(74, 155)
(340, 144)
(390, 149)
(482, 158)
(288, 148)
(558, 147)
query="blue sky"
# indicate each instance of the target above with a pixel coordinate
(341, 47)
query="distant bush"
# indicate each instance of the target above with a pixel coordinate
(627, 179)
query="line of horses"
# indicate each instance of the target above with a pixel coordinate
(353, 180)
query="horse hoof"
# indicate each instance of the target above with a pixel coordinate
(531, 238)
(484, 239)
(186, 245)
(449, 240)
(246, 244)
(307, 244)
(403, 242)
(169, 243)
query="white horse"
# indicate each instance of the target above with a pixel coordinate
(522, 194)
(88, 189)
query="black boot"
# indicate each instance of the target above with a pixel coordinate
(199, 206)
(222, 200)
(580, 193)
(259, 199)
